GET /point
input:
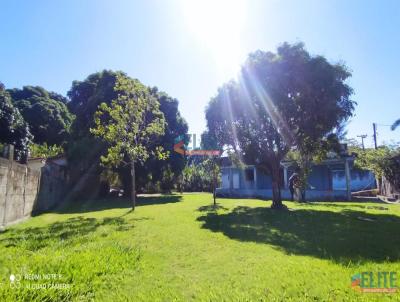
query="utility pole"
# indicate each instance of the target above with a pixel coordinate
(362, 140)
(374, 126)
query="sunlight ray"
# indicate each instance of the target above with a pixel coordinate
(268, 104)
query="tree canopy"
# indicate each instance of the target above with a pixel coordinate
(283, 100)
(13, 128)
(130, 125)
(85, 97)
(167, 171)
(84, 149)
(45, 112)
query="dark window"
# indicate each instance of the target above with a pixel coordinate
(249, 174)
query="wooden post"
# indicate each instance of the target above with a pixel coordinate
(10, 152)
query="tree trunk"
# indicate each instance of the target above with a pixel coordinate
(133, 188)
(305, 169)
(126, 179)
(379, 184)
(276, 188)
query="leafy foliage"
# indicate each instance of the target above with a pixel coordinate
(378, 160)
(165, 172)
(197, 176)
(13, 128)
(130, 126)
(85, 97)
(45, 150)
(283, 100)
(392, 170)
(85, 150)
(46, 113)
(130, 123)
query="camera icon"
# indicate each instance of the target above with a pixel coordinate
(16, 277)
(14, 280)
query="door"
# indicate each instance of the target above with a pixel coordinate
(236, 180)
(225, 181)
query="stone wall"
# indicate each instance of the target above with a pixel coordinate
(19, 187)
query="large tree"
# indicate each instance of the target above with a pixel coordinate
(85, 150)
(283, 100)
(246, 124)
(13, 128)
(161, 174)
(46, 113)
(129, 125)
(175, 126)
(319, 105)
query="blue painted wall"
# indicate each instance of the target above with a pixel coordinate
(319, 178)
(322, 178)
(360, 180)
(264, 181)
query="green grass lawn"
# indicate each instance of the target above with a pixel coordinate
(178, 248)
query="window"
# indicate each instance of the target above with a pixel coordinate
(249, 174)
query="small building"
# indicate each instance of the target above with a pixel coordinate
(332, 179)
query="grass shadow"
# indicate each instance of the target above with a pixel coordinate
(211, 208)
(114, 203)
(76, 228)
(338, 236)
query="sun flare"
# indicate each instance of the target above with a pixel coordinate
(218, 26)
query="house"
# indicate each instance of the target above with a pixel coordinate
(331, 179)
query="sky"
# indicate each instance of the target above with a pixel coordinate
(189, 48)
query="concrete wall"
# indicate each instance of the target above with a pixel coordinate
(18, 191)
(53, 187)
(25, 190)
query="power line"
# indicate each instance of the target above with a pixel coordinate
(383, 125)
